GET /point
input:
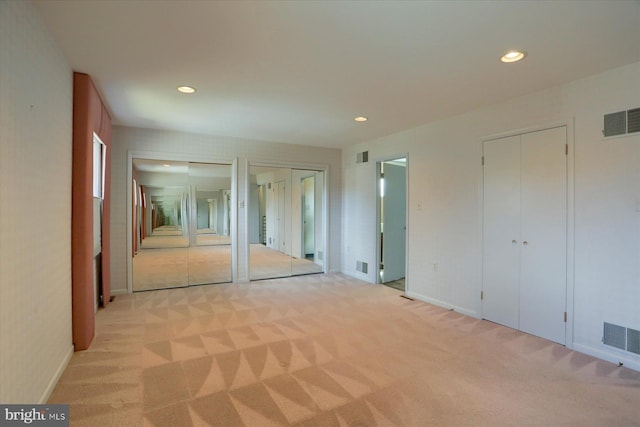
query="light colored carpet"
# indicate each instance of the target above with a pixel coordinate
(163, 242)
(160, 268)
(266, 263)
(164, 268)
(206, 231)
(177, 267)
(328, 350)
(156, 233)
(167, 230)
(209, 264)
(212, 239)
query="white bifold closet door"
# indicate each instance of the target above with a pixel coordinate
(525, 232)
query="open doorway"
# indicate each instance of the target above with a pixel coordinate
(308, 185)
(392, 222)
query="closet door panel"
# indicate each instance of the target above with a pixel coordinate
(543, 233)
(501, 238)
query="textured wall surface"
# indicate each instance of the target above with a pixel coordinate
(35, 171)
(445, 204)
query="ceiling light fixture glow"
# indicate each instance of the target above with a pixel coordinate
(361, 119)
(513, 56)
(186, 89)
(167, 166)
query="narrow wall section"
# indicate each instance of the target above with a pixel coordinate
(89, 117)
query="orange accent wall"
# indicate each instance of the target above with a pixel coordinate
(89, 116)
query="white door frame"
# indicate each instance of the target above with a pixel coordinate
(378, 255)
(196, 158)
(326, 206)
(303, 250)
(570, 126)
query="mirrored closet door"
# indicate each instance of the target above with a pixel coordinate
(286, 222)
(181, 224)
(210, 237)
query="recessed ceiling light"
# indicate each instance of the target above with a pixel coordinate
(513, 56)
(186, 89)
(360, 119)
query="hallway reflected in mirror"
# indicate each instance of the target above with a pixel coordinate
(181, 228)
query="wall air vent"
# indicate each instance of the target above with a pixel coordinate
(621, 123)
(614, 336)
(633, 341)
(620, 337)
(362, 267)
(362, 157)
(633, 120)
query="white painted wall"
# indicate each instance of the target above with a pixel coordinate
(223, 149)
(445, 205)
(36, 87)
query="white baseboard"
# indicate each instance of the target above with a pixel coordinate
(119, 291)
(612, 356)
(54, 381)
(443, 304)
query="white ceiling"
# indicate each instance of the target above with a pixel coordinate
(300, 71)
(161, 166)
(205, 170)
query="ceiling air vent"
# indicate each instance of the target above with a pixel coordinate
(621, 123)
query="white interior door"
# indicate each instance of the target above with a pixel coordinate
(501, 231)
(525, 232)
(544, 234)
(395, 222)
